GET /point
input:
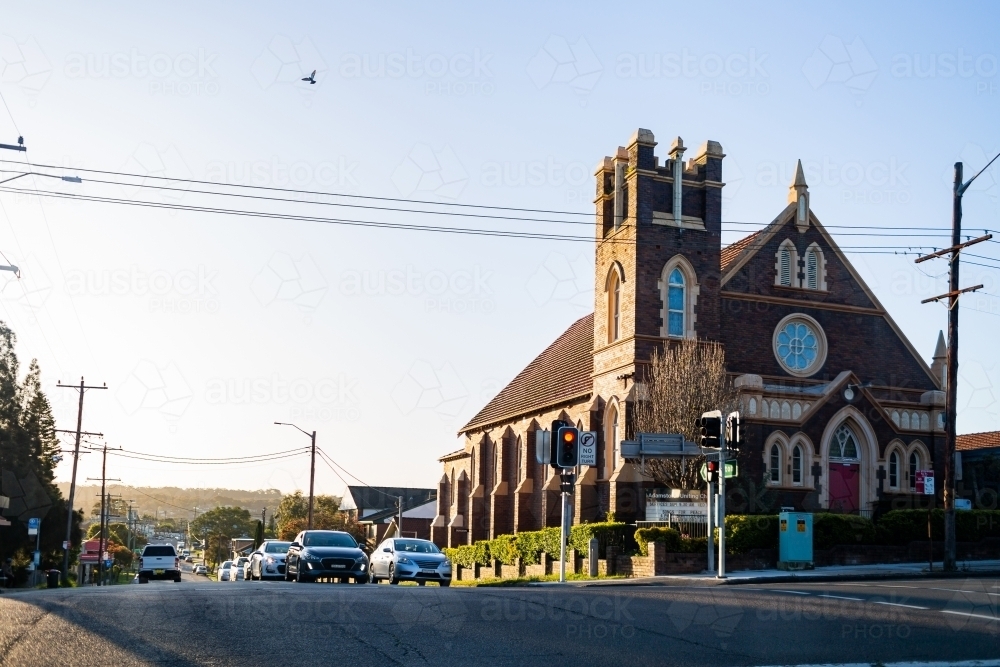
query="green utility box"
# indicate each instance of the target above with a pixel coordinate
(795, 541)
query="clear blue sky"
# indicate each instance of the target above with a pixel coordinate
(207, 329)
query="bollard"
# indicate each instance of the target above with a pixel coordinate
(592, 556)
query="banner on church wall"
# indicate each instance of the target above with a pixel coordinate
(676, 504)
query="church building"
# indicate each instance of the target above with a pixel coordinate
(839, 409)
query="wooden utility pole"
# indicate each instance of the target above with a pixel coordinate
(72, 485)
(951, 396)
(105, 506)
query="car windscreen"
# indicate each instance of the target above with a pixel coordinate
(159, 551)
(276, 547)
(329, 540)
(416, 546)
(227, 564)
(242, 561)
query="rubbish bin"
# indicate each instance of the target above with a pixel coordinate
(53, 578)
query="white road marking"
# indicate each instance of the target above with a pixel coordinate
(954, 663)
(899, 604)
(776, 590)
(970, 615)
(840, 597)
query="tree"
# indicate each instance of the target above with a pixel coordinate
(293, 516)
(118, 532)
(219, 526)
(258, 535)
(683, 381)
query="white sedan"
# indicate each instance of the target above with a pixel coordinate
(225, 571)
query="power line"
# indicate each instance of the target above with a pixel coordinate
(328, 460)
(297, 450)
(207, 463)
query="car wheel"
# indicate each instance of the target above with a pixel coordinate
(421, 583)
(392, 575)
(288, 575)
(143, 580)
(301, 578)
(361, 580)
(446, 583)
(177, 580)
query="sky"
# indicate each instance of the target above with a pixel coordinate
(208, 328)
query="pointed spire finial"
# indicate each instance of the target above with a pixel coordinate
(800, 178)
(941, 349)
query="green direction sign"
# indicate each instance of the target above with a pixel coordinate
(732, 470)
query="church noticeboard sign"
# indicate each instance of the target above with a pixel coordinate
(676, 504)
(924, 482)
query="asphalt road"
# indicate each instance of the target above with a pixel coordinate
(199, 622)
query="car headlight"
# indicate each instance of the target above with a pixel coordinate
(269, 560)
(445, 565)
(403, 560)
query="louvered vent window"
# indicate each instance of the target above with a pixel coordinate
(785, 267)
(812, 270)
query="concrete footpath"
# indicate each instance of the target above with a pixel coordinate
(980, 568)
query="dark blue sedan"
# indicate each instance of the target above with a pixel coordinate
(325, 554)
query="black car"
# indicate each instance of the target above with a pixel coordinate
(325, 554)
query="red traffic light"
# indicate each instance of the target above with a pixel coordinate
(567, 451)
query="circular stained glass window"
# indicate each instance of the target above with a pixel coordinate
(799, 345)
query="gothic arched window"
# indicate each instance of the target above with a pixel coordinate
(774, 465)
(614, 307)
(676, 303)
(797, 466)
(894, 470)
(845, 444)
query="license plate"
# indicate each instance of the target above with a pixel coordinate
(157, 571)
(338, 567)
(428, 571)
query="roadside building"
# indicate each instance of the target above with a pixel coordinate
(377, 508)
(841, 410)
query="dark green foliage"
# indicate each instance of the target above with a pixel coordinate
(829, 530)
(900, 527)
(670, 538)
(751, 531)
(530, 545)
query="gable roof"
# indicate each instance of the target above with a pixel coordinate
(972, 441)
(735, 249)
(384, 497)
(561, 372)
(740, 256)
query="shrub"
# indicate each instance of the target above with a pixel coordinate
(751, 531)
(503, 549)
(900, 527)
(830, 530)
(669, 537)
(607, 532)
(531, 544)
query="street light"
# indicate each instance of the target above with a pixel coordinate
(312, 468)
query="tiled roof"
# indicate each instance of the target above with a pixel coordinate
(732, 251)
(971, 441)
(561, 372)
(457, 454)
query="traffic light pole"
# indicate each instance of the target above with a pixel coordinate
(711, 522)
(722, 504)
(566, 479)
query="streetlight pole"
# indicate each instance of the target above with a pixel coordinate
(312, 468)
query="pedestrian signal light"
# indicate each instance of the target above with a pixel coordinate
(710, 425)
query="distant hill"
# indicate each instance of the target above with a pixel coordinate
(174, 502)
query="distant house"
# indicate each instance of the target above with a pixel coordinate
(376, 508)
(976, 456)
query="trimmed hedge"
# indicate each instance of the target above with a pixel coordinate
(751, 531)
(900, 527)
(530, 545)
(670, 538)
(829, 530)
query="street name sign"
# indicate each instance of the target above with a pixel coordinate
(732, 470)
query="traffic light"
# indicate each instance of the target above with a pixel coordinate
(712, 467)
(567, 447)
(710, 424)
(734, 431)
(554, 441)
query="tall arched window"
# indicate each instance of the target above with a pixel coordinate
(472, 470)
(797, 466)
(812, 269)
(786, 265)
(520, 461)
(675, 303)
(894, 470)
(454, 489)
(612, 445)
(614, 307)
(774, 467)
(914, 467)
(496, 463)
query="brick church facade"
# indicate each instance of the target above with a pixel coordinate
(839, 407)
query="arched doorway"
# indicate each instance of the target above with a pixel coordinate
(845, 470)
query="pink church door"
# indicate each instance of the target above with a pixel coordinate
(845, 486)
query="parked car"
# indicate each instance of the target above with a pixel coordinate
(200, 569)
(268, 561)
(409, 559)
(159, 561)
(225, 570)
(238, 573)
(317, 554)
(188, 559)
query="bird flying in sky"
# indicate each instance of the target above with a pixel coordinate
(311, 78)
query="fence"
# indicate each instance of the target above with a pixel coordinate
(686, 527)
